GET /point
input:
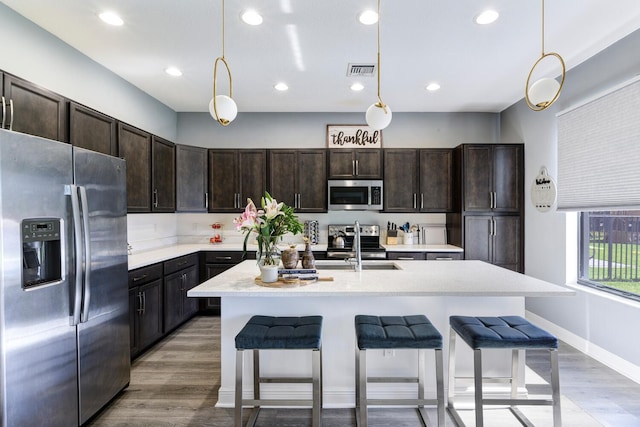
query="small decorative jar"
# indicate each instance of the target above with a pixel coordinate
(308, 260)
(290, 257)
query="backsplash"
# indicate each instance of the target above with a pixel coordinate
(151, 231)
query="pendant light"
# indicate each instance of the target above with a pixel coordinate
(544, 92)
(222, 107)
(379, 114)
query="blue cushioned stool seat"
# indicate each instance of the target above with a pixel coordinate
(398, 332)
(279, 333)
(505, 332)
(268, 332)
(501, 332)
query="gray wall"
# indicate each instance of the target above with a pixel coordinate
(308, 130)
(595, 322)
(33, 54)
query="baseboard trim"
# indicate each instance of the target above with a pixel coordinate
(603, 356)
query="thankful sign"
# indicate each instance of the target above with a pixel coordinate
(353, 136)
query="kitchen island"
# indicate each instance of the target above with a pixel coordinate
(437, 289)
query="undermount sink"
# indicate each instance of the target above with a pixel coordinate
(365, 266)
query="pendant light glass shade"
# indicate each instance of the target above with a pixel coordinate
(227, 109)
(543, 92)
(378, 117)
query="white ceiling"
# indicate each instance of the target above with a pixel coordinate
(480, 68)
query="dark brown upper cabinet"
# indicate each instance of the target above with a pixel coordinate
(355, 164)
(418, 180)
(134, 145)
(299, 178)
(92, 130)
(492, 177)
(163, 175)
(234, 176)
(29, 108)
(191, 179)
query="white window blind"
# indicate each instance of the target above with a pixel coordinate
(599, 152)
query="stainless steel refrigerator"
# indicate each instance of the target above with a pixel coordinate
(64, 325)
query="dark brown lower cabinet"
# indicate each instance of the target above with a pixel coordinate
(494, 239)
(180, 275)
(145, 307)
(216, 262)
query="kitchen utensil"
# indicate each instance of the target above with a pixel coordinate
(338, 240)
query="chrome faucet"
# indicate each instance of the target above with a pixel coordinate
(357, 248)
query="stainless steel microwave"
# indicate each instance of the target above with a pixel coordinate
(355, 195)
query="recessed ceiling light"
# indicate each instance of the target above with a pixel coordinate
(368, 17)
(252, 17)
(432, 87)
(281, 86)
(111, 18)
(357, 87)
(173, 71)
(487, 17)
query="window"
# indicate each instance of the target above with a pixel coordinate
(610, 252)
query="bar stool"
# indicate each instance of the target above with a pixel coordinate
(507, 332)
(398, 332)
(281, 333)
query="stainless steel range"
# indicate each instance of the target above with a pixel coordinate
(341, 237)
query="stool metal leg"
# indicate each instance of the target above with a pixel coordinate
(515, 370)
(316, 417)
(440, 386)
(238, 395)
(477, 383)
(362, 385)
(555, 388)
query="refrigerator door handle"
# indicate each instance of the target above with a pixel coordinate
(87, 254)
(72, 191)
(4, 112)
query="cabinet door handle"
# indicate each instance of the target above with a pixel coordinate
(421, 201)
(140, 309)
(180, 264)
(415, 201)
(206, 201)
(444, 258)
(136, 279)
(144, 302)
(357, 164)
(4, 112)
(495, 228)
(406, 258)
(353, 167)
(155, 198)
(226, 258)
(11, 112)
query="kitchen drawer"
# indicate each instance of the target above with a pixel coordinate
(180, 263)
(444, 256)
(223, 257)
(143, 275)
(406, 256)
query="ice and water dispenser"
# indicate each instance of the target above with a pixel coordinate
(41, 252)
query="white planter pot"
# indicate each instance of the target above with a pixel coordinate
(269, 273)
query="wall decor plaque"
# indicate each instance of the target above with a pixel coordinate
(353, 136)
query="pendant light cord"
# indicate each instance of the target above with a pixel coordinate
(223, 28)
(542, 27)
(379, 99)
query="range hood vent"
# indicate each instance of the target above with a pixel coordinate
(361, 70)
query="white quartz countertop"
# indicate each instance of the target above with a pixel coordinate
(413, 278)
(142, 259)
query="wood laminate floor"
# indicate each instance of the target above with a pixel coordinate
(176, 384)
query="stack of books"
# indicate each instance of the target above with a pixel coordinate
(298, 273)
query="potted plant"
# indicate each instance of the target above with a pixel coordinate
(269, 224)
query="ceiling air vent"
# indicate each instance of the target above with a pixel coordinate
(363, 70)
